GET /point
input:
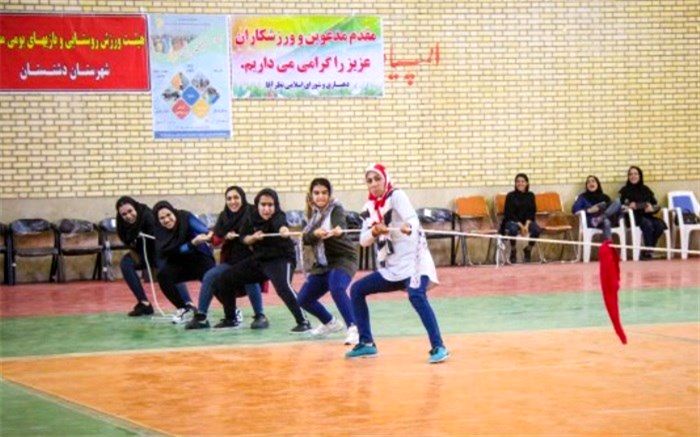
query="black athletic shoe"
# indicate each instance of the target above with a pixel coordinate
(301, 327)
(260, 322)
(141, 310)
(227, 324)
(199, 321)
(527, 254)
(512, 256)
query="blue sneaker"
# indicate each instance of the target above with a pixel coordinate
(438, 354)
(362, 350)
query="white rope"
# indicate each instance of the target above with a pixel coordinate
(150, 275)
(541, 240)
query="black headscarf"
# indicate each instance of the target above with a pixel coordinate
(269, 225)
(232, 221)
(271, 247)
(168, 241)
(638, 192)
(129, 232)
(597, 196)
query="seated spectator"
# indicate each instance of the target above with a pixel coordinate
(641, 200)
(601, 212)
(519, 216)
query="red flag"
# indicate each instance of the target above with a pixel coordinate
(610, 285)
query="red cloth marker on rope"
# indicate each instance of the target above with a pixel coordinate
(610, 285)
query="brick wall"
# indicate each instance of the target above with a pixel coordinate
(558, 89)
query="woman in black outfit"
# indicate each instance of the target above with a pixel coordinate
(180, 244)
(641, 200)
(133, 219)
(273, 258)
(519, 216)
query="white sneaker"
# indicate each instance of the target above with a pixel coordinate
(239, 316)
(322, 330)
(353, 336)
(182, 315)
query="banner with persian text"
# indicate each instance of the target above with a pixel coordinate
(41, 52)
(307, 56)
(190, 70)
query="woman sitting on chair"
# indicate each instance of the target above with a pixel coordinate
(641, 200)
(601, 212)
(133, 220)
(519, 216)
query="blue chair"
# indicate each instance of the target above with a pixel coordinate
(687, 209)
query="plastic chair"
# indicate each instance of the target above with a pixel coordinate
(472, 215)
(78, 237)
(586, 235)
(553, 220)
(368, 255)
(683, 202)
(438, 219)
(32, 238)
(110, 242)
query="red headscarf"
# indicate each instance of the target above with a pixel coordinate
(388, 188)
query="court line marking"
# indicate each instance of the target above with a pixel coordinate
(123, 423)
(646, 410)
(308, 341)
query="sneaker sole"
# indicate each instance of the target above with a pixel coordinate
(440, 360)
(362, 356)
(194, 328)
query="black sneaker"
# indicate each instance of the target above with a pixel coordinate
(301, 327)
(512, 256)
(227, 324)
(199, 321)
(260, 322)
(527, 254)
(141, 309)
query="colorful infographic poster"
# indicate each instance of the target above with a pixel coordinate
(41, 52)
(190, 75)
(307, 56)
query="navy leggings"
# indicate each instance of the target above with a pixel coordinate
(335, 280)
(375, 283)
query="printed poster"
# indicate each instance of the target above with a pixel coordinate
(190, 76)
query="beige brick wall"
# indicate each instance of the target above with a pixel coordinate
(558, 89)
